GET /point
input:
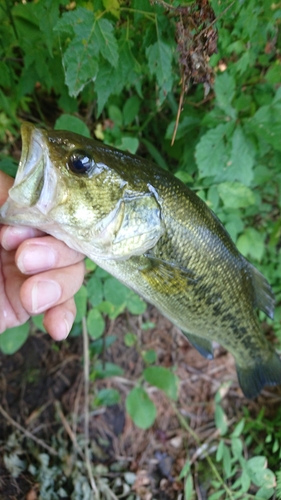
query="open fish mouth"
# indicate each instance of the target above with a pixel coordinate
(35, 181)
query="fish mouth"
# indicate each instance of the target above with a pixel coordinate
(26, 189)
(32, 195)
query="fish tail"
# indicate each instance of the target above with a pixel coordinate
(264, 372)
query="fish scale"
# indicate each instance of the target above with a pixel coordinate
(154, 234)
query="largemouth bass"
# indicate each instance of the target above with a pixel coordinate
(154, 234)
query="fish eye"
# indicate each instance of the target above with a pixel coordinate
(80, 162)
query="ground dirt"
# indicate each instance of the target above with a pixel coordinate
(42, 389)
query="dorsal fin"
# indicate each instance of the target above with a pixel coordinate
(264, 296)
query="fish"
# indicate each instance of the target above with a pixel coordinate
(149, 230)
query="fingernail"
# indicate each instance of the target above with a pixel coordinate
(13, 236)
(44, 294)
(68, 322)
(36, 258)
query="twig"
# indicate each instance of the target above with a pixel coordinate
(215, 20)
(27, 433)
(86, 406)
(69, 430)
(179, 109)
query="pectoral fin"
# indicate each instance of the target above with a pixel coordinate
(203, 346)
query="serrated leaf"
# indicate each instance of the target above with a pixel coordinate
(225, 90)
(109, 81)
(140, 408)
(211, 152)
(266, 124)
(93, 36)
(235, 195)
(81, 67)
(160, 63)
(107, 43)
(12, 339)
(164, 379)
(242, 158)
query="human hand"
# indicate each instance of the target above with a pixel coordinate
(38, 274)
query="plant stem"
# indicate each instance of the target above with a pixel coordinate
(209, 460)
(86, 406)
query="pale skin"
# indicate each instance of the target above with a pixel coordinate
(38, 274)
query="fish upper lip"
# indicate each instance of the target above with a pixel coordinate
(32, 148)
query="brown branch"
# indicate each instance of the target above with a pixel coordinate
(27, 433)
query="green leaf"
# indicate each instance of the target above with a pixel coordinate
(130, 339)
(81, 303)
(164, 379)
(105, 39)
(113, 7)
(107, 397)
(93, 36)
(95, 290)
(73, 124)
(211, 151)
(12, 339)
(95, 323)
(221, 420)
(238, 429)
(108, 370)
(245, 481)
(130, 144)
(235, 195)
(257, 463)
(135, 304)
(131, 109)
(188, 488)
(220, 451)
(160, 63)
(140, 408)
(149, 356)
(97, 346)
(226, 461)
(251, 243)
(242, 158)
(236, 447)
(38, 322)
(266, 124)
(225, 90)
(81, 67)
(115, 292)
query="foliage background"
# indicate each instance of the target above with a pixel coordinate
(115, 70)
